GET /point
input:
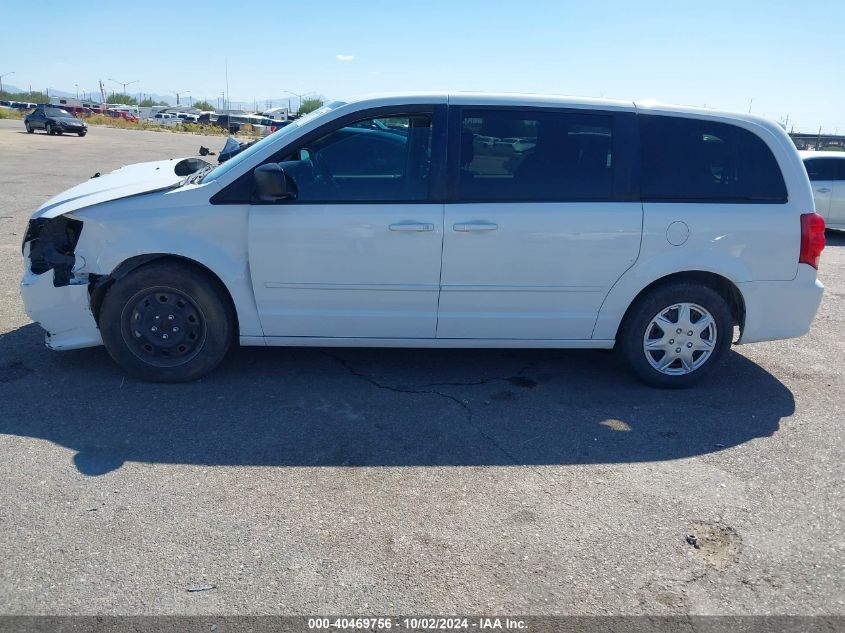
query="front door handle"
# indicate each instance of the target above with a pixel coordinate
(823, 190)
(465, 227)
(415, 227)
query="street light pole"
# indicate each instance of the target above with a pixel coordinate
(124, 83)
(181, 92)
(4, 75)
(304, 94)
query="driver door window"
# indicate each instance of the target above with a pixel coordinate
(380, 159)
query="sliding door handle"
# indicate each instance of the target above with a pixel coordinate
(414, 227)
(465, 227)
(823, 189)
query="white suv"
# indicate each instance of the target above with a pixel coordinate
(656, 230)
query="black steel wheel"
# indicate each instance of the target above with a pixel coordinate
(167, 321)
(163, 327)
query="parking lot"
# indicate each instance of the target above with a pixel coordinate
(301, 481)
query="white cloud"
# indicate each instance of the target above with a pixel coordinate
(345, 58)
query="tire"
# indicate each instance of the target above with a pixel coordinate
(679, 304)
(170, 300)
(81, 134)
(29, 129)
(49, 129)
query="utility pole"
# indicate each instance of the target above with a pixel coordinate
(180, 92)
(227, 85)
(750, 101)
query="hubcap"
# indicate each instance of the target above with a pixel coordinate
(163, 327)
(680, 339)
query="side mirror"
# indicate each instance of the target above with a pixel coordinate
(270, 183)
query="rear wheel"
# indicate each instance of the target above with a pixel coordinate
(676, 333)
(167, 322)
(28, 127)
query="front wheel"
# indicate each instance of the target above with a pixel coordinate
(81, 134)
(167, 322)
(49, 129)
(676, 333)
(29, 129)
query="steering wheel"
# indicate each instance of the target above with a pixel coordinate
(322, 173)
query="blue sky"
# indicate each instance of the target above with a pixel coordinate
(779, 53)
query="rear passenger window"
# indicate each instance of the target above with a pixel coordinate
(531, 155)
(693, 160)
(822, 168)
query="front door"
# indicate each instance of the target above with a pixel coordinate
(540, 231)
(355, 250)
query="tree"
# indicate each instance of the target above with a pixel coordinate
(124, 99)
(203, 105)
(28, 97)
(310, 104)
(149, 103)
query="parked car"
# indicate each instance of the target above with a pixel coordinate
(509, 146)
(54, 120)
(165, 118)
(634, 226)
(78, 110)
(827, 177)
(121, 114)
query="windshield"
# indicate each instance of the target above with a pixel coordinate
(56, 112)
(236, 160)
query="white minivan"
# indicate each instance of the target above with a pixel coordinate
(656, 230)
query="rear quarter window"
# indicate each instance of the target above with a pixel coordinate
(692, 160)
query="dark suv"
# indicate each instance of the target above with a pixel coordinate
(54, 120)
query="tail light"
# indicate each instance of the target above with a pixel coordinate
(812, 239)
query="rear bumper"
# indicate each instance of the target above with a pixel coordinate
(780, 309)
(63, 312)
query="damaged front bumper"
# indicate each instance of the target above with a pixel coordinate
(64, 312)
(54, 294)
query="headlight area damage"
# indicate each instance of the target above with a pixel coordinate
(51, 243)
(55, 295)
(56, 288)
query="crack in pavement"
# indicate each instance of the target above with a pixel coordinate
(484, 381)
(424, 390)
